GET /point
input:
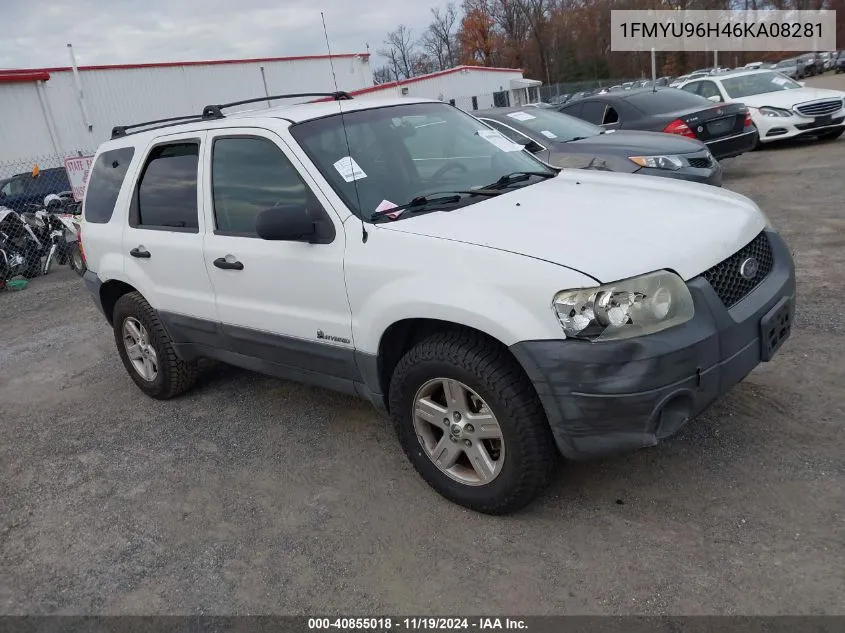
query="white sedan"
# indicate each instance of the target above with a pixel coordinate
(780, 107)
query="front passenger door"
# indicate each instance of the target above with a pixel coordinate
(282, 302)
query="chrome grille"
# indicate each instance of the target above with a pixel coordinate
(819, 108)
(725, 278)
(700, 162)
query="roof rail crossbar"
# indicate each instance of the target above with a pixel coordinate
(215, 111)
(122, 130)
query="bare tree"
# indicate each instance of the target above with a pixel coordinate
(400, 51)
(442, 30)
(536, 12)
(382, 75)
(434, 49)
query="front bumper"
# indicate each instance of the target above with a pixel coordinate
(733, 145)
(617, 396)
(780, 128)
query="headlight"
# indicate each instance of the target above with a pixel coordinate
(774, 112)
(627, 308)
(658, 162)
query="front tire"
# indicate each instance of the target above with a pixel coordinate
(147, 351)
(471, 423)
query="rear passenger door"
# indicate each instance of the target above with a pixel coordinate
(163, 241)
(283, 302)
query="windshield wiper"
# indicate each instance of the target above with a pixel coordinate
(518, 176)
(420, 203)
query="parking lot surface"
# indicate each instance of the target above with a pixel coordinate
(252, 495)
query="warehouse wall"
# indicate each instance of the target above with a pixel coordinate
(461, 84)
(128, 95)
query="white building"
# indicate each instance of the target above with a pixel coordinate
(47, 114)
(43, 112)
(468, 87)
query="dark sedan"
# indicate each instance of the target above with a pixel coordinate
(726, 129)
(565, 141)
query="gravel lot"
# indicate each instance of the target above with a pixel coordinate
(254, 495)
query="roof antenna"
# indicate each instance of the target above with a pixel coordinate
(345, 136)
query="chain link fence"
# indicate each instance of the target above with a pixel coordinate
(40, 206)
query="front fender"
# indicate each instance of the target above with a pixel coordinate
(505, 295)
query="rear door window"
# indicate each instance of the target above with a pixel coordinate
(167, 192)
(104, 183)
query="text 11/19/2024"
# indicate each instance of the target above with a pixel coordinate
(417, 624)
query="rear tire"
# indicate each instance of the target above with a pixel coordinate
(75, 259)
(500, 390)
(172, 376)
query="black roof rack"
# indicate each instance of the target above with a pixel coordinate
(215, 111)
(122, 130)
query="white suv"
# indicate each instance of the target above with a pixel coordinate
(502, 311)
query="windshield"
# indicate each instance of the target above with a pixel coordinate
(756, 84)
(401, 152)
(555, 126)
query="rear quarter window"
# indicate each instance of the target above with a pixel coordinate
(107, 176)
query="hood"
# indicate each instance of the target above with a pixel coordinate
(788, 98)
(630, 143)
(610, 226)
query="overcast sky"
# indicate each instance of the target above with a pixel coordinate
(36, 33)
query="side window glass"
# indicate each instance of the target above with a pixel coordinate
(709, 89)
(107, 175)
(610, 116)
(693, 87)
(249, 175)
(573, 110)
(167, 193)
(593, 111)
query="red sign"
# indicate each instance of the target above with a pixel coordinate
(78, 168)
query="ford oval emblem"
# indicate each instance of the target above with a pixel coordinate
(749, 268)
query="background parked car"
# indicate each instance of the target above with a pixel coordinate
(780, 107)
(727, 130)
(792, 67)
(22, 190)
(812, 64)
(827, 58)
(839, 64)
(565, 141)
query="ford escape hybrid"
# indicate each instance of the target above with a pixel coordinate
(500, 310)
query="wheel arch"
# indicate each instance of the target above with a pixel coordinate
(110, 292)
(402, 335)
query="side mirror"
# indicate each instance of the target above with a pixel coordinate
(715, 98)
(802, 83)
(289, 223)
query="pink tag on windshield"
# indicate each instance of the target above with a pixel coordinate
(386, 205)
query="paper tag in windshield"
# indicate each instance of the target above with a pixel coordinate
(548, 134)
(521, 116)
(349, 169)
(780, 80)
(499, 140)
(386, 205)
